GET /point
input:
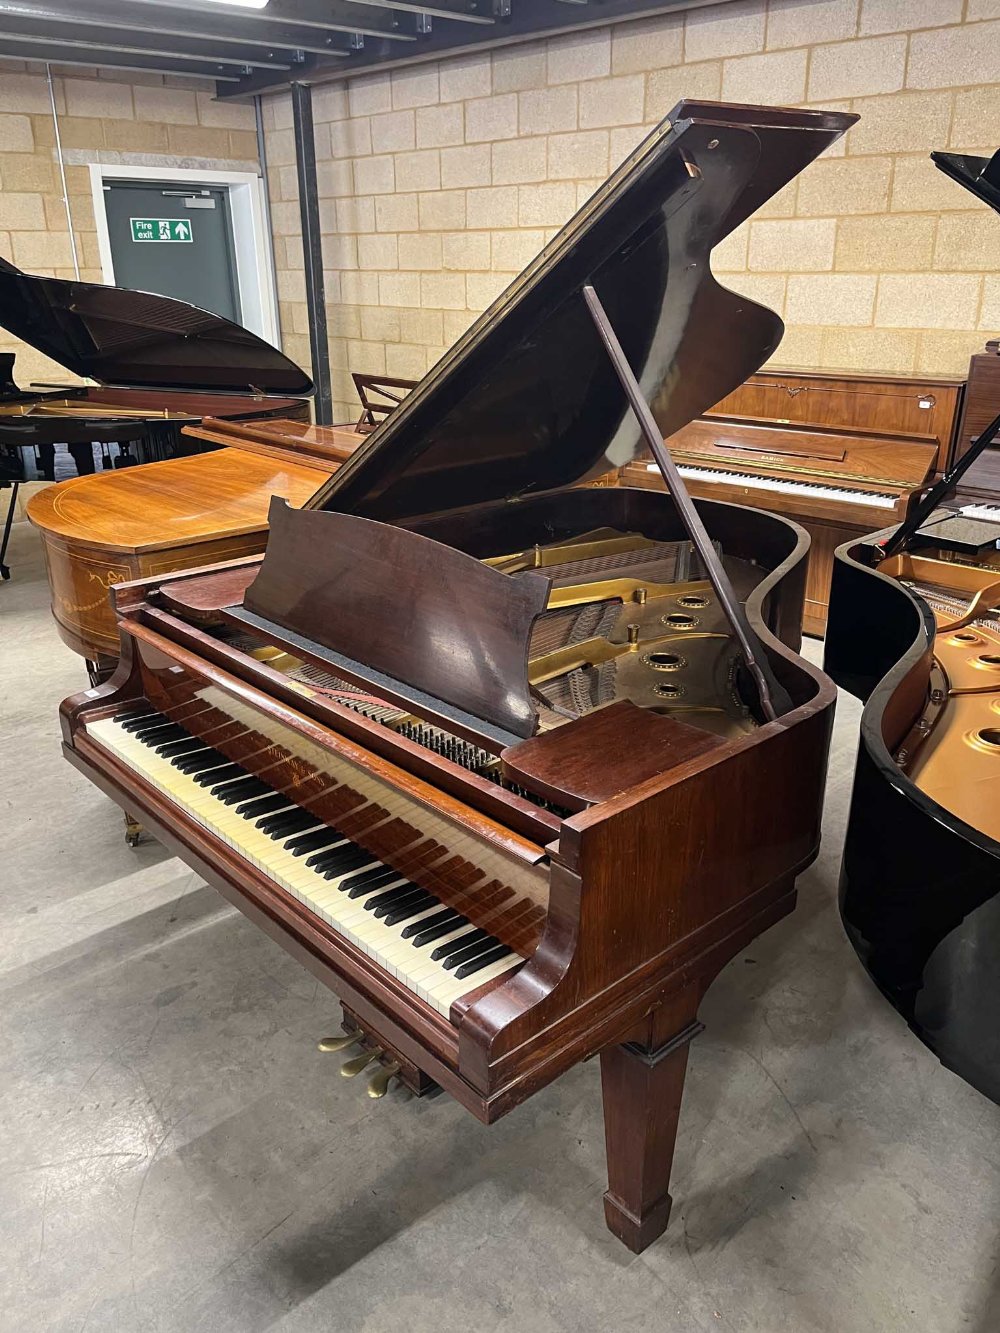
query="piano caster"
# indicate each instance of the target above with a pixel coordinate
(379, 1085)
(133, 830)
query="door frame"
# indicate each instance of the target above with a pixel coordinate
(251, 238)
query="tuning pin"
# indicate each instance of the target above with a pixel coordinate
(341, 1043)
(354, 1067)
(379, 1085)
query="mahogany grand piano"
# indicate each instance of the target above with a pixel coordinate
(514, 766)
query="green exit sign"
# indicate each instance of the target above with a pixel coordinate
(161, 229)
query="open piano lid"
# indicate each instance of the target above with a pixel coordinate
(979, 175)
(527, 400)
(140, 340)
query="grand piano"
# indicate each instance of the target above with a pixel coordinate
(159, 364)
(512, 765)
(110, 527)
(915, 632)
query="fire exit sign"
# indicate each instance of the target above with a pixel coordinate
(161, 229)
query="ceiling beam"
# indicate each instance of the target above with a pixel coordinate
(217, 24)
(58, 54)
(134, 41)
(528, 19)
(331, 15)
(460, 11)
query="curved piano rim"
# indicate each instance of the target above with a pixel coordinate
(919, 887)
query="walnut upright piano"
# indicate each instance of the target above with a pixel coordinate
(514, 766)
(837, 452)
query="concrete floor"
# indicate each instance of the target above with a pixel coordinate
(175, 1155)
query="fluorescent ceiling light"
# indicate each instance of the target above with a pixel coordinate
(243, 4)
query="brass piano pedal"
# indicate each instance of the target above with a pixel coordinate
(133, 830)
(379, 1085)
(360, 1062)
(342, 1043)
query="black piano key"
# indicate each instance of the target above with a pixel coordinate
(243, 790)
(339, 860)
(464, 948)
(313, 841)
(433, 927)
(169, 748)
(261, 805)
(133, 715)
(483, 960)
(390, 896)
(191, 747)
(410, 908)
(358, 885)
(458, 943)
(367, 872)
(197, 762)
(138, 720)
(326, 857)
(224, 786)
(283, 822)
(412, 893)
(362, 861)
(216, 775)
(161, 731)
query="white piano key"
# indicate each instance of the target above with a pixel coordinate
(817, 490)
(989, 513)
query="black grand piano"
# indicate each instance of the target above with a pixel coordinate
(914, 630)
(155, 365)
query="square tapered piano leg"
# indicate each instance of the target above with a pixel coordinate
(643, 1082)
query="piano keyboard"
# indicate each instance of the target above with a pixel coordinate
(437, 952)
(990, 513)
(810, 489)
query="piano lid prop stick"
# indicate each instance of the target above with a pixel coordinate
(897, 540)
(774, 700)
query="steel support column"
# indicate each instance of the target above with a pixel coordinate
(312, 250)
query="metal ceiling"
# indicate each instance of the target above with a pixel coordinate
(249, 51)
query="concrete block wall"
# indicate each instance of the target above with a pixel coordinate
(439, 183)
(104, 116)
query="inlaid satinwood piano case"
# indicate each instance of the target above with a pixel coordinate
(514, 766)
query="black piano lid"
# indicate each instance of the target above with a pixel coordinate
(527, 400)
(139, 340)
(979, 175)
